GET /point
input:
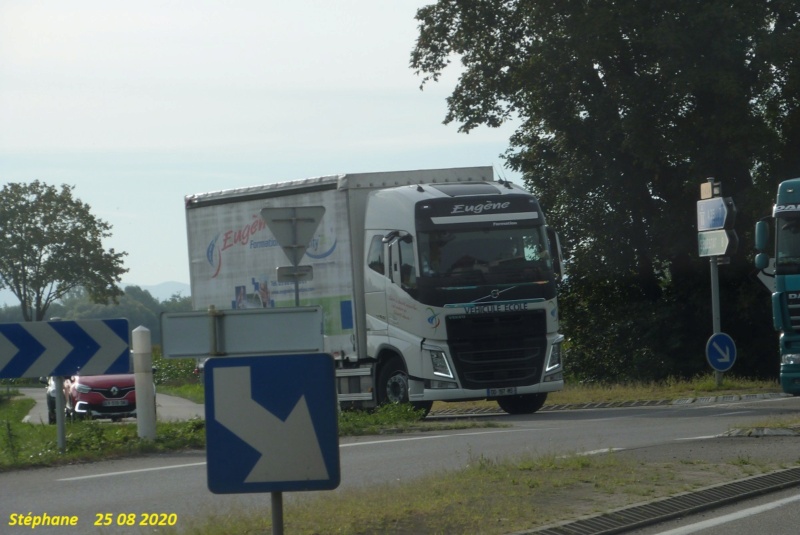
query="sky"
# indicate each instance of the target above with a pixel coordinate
(138, 104)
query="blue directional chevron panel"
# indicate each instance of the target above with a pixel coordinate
(44, 348)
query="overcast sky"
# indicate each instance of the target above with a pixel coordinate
(138, 104)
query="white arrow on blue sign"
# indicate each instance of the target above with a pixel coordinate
(715, 213)
(717, 242)
(62, 348)
(271, 424)
(721, 352)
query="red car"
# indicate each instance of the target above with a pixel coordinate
(101, 396)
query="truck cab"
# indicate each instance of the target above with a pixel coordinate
(786, 292)
(461, 280)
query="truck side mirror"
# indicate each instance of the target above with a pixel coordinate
(762, 236)
(555, 252)
(762, 261)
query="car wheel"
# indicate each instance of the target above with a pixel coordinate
(522, 404)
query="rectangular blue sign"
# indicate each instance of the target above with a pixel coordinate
(271, 423)
(712, 214)
(62, 348)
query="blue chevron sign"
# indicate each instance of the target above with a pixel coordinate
(63, 348)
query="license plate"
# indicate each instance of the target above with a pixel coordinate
(115, 403)
(508, 391)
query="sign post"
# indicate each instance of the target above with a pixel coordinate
(271, 403)
(271, 426)
(717, 240)
(293, 229)
(60, 349)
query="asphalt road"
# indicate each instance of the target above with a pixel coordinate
(177, 483)
(168, 408)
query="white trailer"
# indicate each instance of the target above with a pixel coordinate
(435, 284)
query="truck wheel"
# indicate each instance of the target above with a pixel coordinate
(522, 404)
(393, 383)
(393, 386)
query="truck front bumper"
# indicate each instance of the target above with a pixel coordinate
(790, 379)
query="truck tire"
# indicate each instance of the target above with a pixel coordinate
(393, 386)
(522, 404)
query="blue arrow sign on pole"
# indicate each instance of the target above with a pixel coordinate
(715, 213)
(271, 424)
(721, 352)
(62, 348)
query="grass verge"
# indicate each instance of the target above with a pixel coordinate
(488, 497)
(24, 445)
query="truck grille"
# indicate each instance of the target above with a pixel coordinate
(496, 351)
(793, 300)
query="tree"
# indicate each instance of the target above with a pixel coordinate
(625, 107)
(52, 244)
(136, 305)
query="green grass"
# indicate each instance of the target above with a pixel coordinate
(489, 497)
(575, 393)
(671, 389)
(191, 391)
(701, 386)
(25, 445)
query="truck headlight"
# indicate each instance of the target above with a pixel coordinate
(439, 362)
(791, 358)
(555, 357)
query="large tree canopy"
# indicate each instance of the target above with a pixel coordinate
(624, 107)
(52, 245)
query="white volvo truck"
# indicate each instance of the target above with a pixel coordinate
(435, 284)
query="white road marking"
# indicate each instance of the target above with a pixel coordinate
(125, 472)
(189, 465)
(431, 437)
(599, 452)
(693, 528)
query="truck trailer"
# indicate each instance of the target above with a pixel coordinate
(435, 284)
(786, 289)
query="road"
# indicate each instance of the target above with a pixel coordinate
(168, 408)
(176, 483)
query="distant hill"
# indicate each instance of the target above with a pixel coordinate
(164, 290)
(160, 292)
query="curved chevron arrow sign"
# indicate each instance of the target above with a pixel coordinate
(62, 348)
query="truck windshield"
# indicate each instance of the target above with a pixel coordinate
(787, 257)
(510, 255)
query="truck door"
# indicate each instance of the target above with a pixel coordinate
(376, 277)
(403, 265)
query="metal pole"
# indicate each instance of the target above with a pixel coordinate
(61, 414)
(212, 331)
(61, 410)
(277, 513)
(295, 260)
(715, 315)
